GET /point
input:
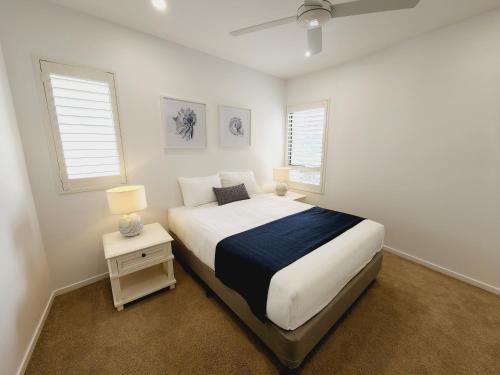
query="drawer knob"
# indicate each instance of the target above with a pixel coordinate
(143, 255)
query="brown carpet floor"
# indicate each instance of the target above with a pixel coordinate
(410, 321)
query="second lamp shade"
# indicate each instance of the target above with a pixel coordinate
(281, 174)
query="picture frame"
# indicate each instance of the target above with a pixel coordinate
(184, 123)
(235, 126)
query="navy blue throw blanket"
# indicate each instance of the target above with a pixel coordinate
(247, 261)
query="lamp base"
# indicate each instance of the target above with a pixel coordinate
(281, 189)
(130, 225)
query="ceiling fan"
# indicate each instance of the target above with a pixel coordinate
(313, 14)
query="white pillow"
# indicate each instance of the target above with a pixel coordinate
(198, 190)
(236, 178)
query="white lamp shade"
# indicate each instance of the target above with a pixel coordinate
(281, 174)
(126, 199)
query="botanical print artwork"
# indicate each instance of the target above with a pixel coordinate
(234, 126)
(183, 124)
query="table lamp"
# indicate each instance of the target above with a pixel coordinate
(126, 201)
(281, 175)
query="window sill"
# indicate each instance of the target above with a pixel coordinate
(317, 189)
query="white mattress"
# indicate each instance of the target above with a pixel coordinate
(305, 287)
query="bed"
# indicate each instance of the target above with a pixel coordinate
(306, 298)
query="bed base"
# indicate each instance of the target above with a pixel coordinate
(290, 347)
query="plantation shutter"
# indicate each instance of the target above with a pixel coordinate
(305, 143)
(86, 133)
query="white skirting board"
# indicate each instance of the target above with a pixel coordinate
(81, 284)
(36, 335)
(443, 270)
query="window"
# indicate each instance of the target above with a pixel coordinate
(84, 124)
(305, 152)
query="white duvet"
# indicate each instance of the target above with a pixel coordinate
(305, 287)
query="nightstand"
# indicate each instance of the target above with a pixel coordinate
(292, 196)
(139, 265)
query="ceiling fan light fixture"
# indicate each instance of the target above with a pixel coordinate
(313, 23)
(314, 41)
(160, 5)
(312, 16)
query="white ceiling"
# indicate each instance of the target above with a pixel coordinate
(205, 25)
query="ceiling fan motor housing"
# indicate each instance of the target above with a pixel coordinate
(314, 15)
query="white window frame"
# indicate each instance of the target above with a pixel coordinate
(319, 189)
(65, 184)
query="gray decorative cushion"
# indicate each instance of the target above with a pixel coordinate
(230, 194)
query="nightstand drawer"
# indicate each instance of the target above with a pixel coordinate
(143, 258)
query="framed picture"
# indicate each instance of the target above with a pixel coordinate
(184, 124)
(234, 126)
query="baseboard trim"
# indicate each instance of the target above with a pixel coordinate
(81, 284)
(443, 270)
(36, 335)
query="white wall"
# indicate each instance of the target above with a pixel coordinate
(24, 277)
(145, 68)
(414, 143)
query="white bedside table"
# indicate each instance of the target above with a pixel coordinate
(291, 196)
(139, 265)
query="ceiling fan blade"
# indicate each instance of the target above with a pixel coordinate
(371, 6)
(314, 41)
(265, 25)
